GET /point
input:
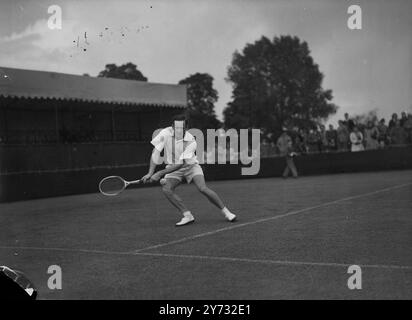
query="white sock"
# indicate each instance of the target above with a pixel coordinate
(187, 214)
(225, 211)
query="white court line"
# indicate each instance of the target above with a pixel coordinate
(214, 258)
(278, 262)
(237, 225)
(65, 250)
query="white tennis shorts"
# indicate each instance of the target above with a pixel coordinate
(187, 172)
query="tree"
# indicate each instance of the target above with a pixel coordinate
(201, 97)
(125, 71)
(276, 84)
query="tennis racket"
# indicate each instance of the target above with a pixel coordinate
(113, 185)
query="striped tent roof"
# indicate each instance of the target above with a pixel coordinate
(51, 85)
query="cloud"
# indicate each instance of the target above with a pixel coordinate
(38, 47)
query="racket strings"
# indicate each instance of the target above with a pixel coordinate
(112, 185)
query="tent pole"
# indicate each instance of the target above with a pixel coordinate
(56, 122)
(4, 114)
(113, 126)
(139, 125)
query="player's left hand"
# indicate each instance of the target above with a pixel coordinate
(156, 177)
(146, 178)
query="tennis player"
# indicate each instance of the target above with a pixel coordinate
(181, 163)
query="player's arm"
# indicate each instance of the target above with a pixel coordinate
(158, 142)
(158, 175)
(152, 165)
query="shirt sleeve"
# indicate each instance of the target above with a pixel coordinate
(159, 141)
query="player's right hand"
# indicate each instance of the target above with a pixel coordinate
(146, 178)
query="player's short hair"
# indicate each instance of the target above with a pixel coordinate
(180, 117)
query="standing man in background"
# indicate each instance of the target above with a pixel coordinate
(331, 137)
(284, 143)
(371, 136)
(383, 133)
(342, 136)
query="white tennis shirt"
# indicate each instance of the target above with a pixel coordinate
(176, 151)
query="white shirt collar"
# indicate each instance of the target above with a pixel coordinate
(185, 138)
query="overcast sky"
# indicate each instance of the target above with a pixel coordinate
(169, 40)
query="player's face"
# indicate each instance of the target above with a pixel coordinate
(179, 127)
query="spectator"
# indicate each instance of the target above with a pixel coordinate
(299, 144)
(323, 142)
(383, 133)
(301, 141)
(371, 136)
(342, 136)
(284, 143)
(398, 134)
(392, 122)
(408, 128)
(331, 138)
(361, 127)
(293, 133)
(313, 141)
(403, 118)
(356, 139)
(345, 122)
(351, 125)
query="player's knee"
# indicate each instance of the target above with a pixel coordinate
(203, 189)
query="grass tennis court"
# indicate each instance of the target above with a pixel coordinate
(294, 239)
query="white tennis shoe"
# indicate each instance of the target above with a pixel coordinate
(187, 218)
(230, 217)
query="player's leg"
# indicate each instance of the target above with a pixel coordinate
(199, 181)
(212, 196)
(291, 165)
(169, 191)
(286, 171)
